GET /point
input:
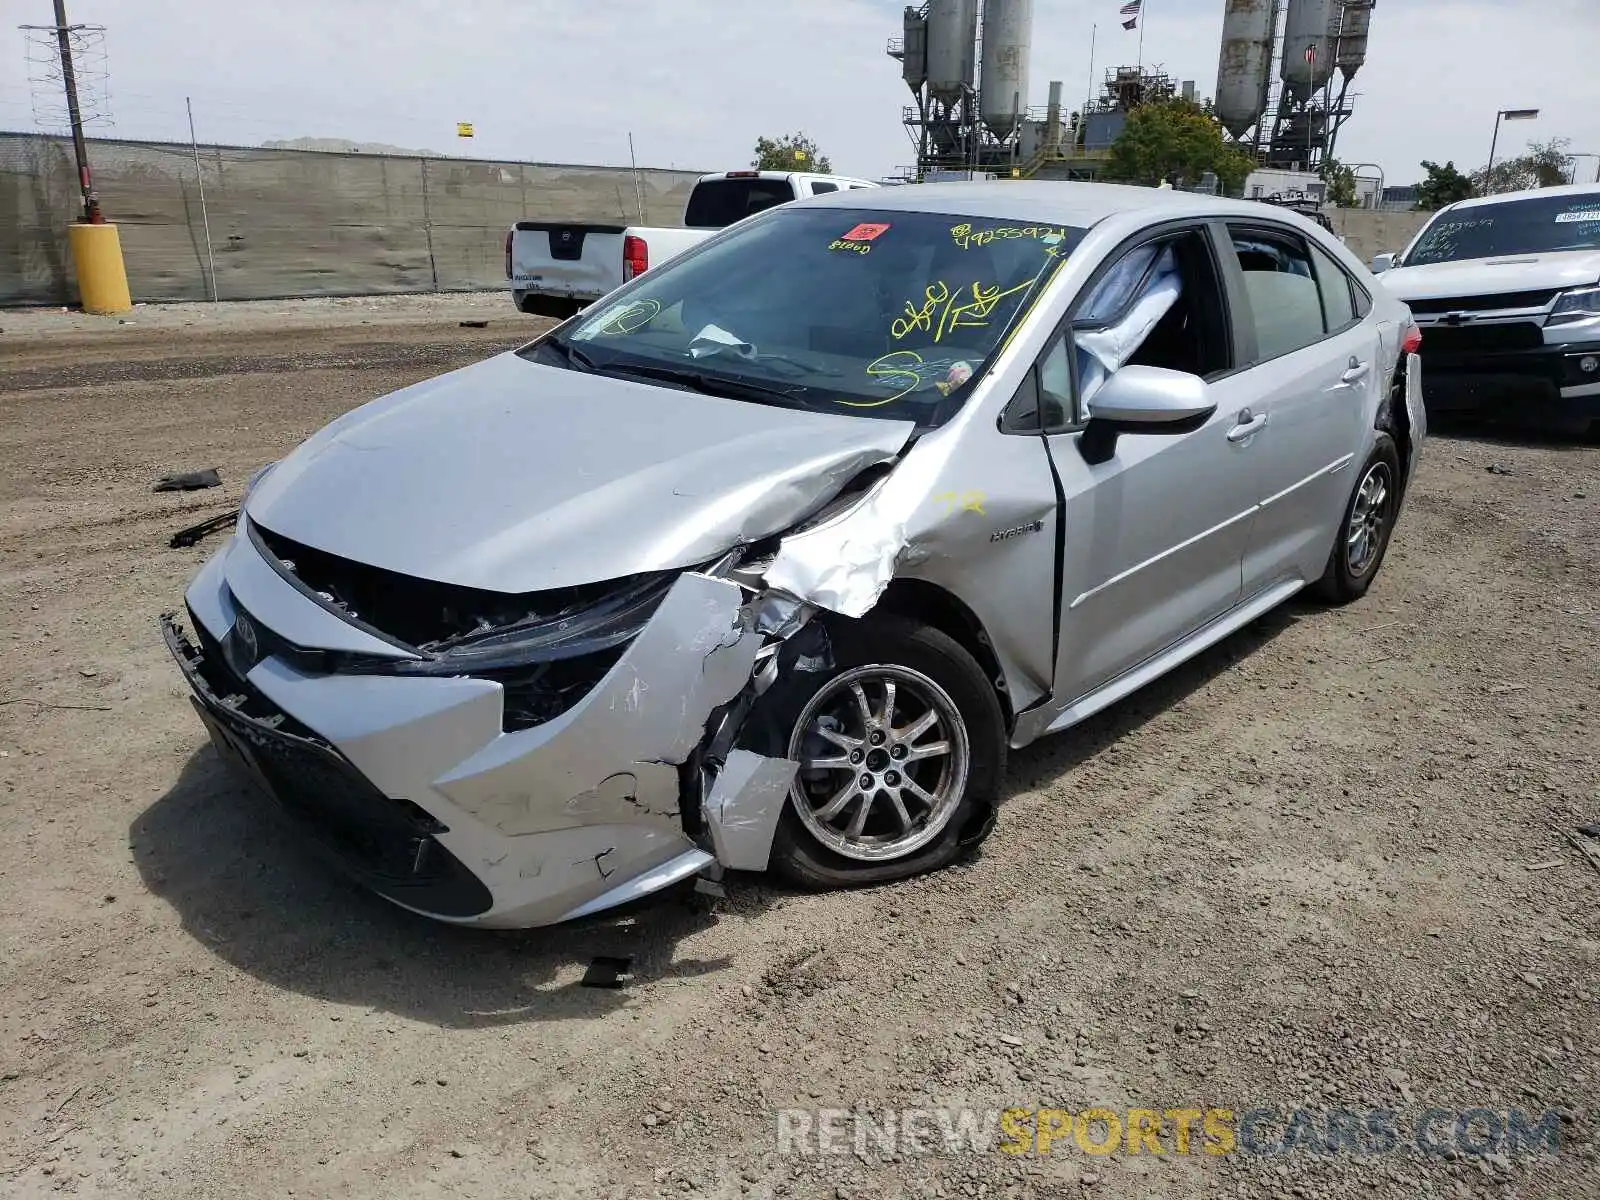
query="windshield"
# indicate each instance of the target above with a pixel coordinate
(885, 314)
(1537, 225)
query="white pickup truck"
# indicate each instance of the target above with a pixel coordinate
(556, 268)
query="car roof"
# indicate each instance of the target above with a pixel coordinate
(752, 173)
(1565, 189)
(1077, 205)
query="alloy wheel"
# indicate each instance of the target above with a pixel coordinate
(883, 756)
(1369, 518)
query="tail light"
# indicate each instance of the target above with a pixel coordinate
(1411, 339)
(635, 257)
(509, 233)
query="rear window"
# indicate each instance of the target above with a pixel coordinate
(716, 203)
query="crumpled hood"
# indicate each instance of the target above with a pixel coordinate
(1488, 276)
(516, 477)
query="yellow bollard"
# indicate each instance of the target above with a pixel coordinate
(97, 257)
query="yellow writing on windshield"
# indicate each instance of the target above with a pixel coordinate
(896, 367)
(857, 247)
(631, 318)
(943, 311)
(966, 237)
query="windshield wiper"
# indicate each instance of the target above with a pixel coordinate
(710, 385)
(569, 352)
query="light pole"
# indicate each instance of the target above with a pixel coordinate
(1377, 200)
(1509, 114)
(1584, 154)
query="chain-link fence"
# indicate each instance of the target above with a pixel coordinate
(286, 223)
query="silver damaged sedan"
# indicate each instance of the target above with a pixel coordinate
(764, 560)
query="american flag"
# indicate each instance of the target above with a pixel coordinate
(1131, 9)
(1311, 54)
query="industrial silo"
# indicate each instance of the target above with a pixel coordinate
(1245, 67)
(952, 48)
(1003, 85)
(1351, 49)
(1305, 30)
(914, 50)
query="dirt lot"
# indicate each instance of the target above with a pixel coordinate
(1322, 867)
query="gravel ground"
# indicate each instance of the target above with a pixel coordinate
(1323, 867)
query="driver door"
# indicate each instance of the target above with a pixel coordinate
(1154, 538)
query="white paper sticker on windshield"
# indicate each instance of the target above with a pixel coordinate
(1582, 214)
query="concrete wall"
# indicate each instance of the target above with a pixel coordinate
(295, 223)
(1368, 233)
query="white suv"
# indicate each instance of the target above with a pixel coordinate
(1507, 292)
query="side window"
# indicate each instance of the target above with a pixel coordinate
(1173, 316)
(1043, 402)
(1338, 306)
(1159, 305)
(1285, 302)
(1360, 299)
(1055, 386)
(818, 189)
(1120, 285)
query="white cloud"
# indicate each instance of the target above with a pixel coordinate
(696, 84)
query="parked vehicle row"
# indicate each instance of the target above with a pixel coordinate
(556, 268)
(766, 560)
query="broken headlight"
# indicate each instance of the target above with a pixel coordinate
(492, 649)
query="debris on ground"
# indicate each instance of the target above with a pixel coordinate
(188, 481)
(607, 972)
(194, 533)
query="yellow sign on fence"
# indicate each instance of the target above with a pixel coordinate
(463, 128)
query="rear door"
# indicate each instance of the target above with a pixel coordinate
(1314, 364)
(554, 259)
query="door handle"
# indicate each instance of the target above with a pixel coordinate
(1356, 372)
(1248, 426)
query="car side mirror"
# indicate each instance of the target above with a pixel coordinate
(1139, 399)
(1383, 262)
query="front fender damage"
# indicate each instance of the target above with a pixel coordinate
(841, 564)
(685, 767)
(647, 706)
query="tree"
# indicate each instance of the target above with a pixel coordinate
(1443, 186)
(1544, 165)
(791, 152)
(1341, 181)
(1176, 141)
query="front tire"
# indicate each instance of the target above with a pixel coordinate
(1365, 528)
(902, 747)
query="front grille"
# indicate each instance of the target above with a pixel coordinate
(1470, 339)
(1505, 300)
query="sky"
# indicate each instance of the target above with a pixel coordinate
(697, 81)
